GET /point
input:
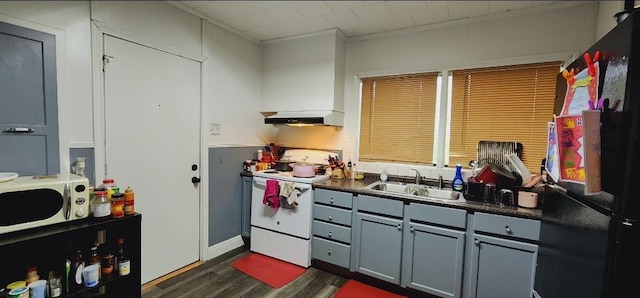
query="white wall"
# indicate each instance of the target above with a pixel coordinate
(605, 21)
(536, 37)
(233, 79)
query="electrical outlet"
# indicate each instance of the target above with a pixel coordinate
(214, 129)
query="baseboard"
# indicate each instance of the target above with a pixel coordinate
(224, 247)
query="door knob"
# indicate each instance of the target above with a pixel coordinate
(195, 180)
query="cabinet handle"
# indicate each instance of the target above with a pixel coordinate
(19, 130)
(331, 201)
(477, 242)
(329, 234)
(508, 230)
(411, 229)
(399, 227)
(330, 217)
(329, 251)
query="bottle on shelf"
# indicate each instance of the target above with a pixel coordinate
(124, 263)
(94, 256)
(108, 261)
(32, 275)
(75, 275)
(55, 285)
(129, 208)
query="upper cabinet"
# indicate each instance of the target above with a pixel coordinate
(304, 74)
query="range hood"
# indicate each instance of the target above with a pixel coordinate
(306, 118)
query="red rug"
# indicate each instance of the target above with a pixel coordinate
(354, 289)
(273, 272)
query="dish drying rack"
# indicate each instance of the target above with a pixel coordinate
(496, 152)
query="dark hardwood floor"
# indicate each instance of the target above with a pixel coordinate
(216, 278)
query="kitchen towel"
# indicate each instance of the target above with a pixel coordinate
(288, 195)
(271, 271)
(271, 196)
(355, 289)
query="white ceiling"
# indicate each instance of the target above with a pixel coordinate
(267, 20)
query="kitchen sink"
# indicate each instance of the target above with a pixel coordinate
(417, 191)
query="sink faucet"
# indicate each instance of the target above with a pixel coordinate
(418, 178)
(440, 182)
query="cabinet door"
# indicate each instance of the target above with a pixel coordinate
(246, 206)
(433, 259)
(502, 268)
(28, 102)
(379, 247)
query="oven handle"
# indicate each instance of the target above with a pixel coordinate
(299, 186)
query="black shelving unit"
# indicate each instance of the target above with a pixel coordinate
(48, 247)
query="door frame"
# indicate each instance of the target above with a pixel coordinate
(62, 83)
(98, 30)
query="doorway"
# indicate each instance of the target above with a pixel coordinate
(152, 143)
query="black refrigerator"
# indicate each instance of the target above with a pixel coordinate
(587, 243)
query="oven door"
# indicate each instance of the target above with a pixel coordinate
(295, 222)
(30, 208)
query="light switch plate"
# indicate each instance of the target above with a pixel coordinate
(214, 129)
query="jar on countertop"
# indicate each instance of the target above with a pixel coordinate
(101, 204)
(117, 205)
(110, 185)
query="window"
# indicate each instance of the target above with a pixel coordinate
(511, 103)
(397, 122)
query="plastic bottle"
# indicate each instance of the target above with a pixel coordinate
(457, 183)
(129, 208)
(94, 256)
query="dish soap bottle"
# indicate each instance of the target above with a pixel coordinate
(457, 182)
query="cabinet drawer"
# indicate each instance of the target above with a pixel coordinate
(507, 226)
(331, 231)
(331, 214)
(380, 205)
(438, 215)
(333, 198)
(331, 252)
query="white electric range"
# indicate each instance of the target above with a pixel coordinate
(284, 233)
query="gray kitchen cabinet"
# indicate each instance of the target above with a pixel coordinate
(503, 256)
(378, 238)
(433, 249)
(246, 206)
(332, 222)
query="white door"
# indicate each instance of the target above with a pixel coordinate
(152, 131)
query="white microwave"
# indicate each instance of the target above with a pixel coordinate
(32, 201)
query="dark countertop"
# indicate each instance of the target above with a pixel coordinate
(357, 187)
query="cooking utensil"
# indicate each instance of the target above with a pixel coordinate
(496, 174)
(303, 169)
(283, 165)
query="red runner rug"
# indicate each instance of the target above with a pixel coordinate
(355, 289)
(273, 272)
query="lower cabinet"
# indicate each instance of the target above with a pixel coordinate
(433, 255)
(504, 253)
(246, 206)
(378, 240)
(332, 215)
